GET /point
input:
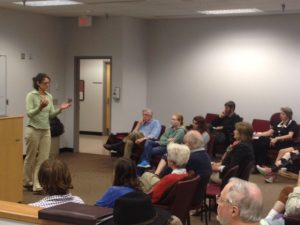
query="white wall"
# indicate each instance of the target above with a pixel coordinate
(195, 65)
(38, 35)
(91, 108)
(123, 39)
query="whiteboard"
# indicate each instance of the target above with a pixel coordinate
(2, 85)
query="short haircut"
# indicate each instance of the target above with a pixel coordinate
(179, 117)
(245, 130)
(247, 196)
(179, 154)
(202, 127)
(125, 174)
(148, 111)
(194, 139)
(40, 77)
(55, 177)
(230, 104)
(288, 112)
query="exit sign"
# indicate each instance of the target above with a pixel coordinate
(85, 21)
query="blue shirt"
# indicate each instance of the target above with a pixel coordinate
(112, 194)
(151, 129)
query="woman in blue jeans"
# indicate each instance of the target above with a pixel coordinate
(174, 134)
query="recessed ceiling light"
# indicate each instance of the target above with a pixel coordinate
(229, 11)
(48, 3)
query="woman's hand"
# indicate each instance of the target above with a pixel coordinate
(65, 105)
(43, 103)
(215, 166)
(273, 141)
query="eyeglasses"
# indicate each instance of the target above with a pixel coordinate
(219, 200)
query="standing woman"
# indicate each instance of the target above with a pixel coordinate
(39, 109)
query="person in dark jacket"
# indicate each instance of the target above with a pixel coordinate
(223, 125)
(239, 153)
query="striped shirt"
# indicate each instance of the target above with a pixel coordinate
(54, 200)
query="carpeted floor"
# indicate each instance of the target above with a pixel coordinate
(92, 175)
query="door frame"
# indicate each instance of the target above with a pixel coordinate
(76, 97)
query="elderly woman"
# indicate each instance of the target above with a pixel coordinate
(178, 156)
(279, 136)
(238, 153)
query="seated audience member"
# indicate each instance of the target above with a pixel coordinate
(174, 133)
(178, 156)
(199, 124)
(223, 126)
(55, 179)
(288, 204)
(284, 157)
(278, 136)
(239, 153)
(199, 161)
(125, 181)
(240, 203)
(146, 128)
(136, 208)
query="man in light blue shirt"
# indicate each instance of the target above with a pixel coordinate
(146, 128)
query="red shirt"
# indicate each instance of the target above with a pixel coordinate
(159, 188)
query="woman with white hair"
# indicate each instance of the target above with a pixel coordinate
(178, 156)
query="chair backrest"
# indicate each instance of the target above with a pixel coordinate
(275, 118)
(244, 173)
(229, 174)
(210, 117)
(260, 125)
(182, 194)
(292, 220)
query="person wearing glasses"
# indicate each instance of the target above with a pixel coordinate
(239, 203)
(146, 128)
(39, 109)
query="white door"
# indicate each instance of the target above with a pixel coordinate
(2, 85)
(91, 105)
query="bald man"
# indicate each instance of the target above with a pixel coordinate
(240, 203)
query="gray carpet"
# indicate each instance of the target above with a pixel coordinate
(92, 175)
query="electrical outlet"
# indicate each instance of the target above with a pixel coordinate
(23, 56)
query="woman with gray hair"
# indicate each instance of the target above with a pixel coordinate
(178, 156)
(279, 136)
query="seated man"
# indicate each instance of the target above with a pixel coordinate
(223, 126)
(240, 202)
(146, 128)
(174, 133)
(288, 204)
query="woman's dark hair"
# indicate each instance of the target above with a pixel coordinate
(200, 121)
(125, 174)
(55, 177)
(39, 78)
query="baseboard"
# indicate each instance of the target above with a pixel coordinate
(91, 133)
(66, 150)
